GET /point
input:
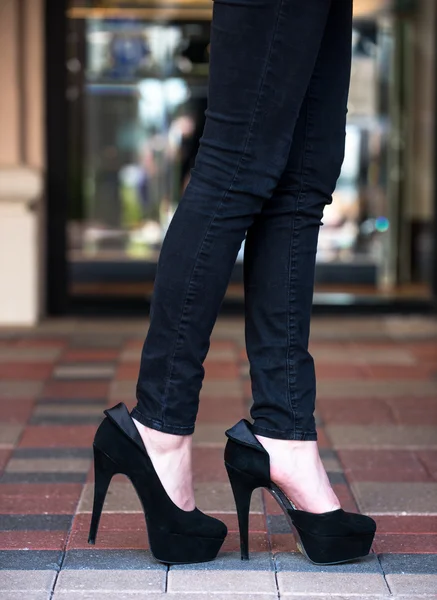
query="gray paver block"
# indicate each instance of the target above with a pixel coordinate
(231, 582)
(37, 560)
(48, 465)
(409, 563)
(217, 497)
(29, 595)
(133, 560)
(408, 583)
(111, 581)
(35, 522)
(69, 595)
(325, 582)
(294, 562)
(422, 597)
(84, 371)
(220, 388)
(395, 497)
(121, 497)
(231, 561)
(210, 434)
(14, 390)
(9, 433)
(349, 388)
(382, 436)
(37, 355)
(335, 596)
(32, 581)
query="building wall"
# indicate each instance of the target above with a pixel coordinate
(21, 160)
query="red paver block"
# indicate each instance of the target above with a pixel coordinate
(81, 356)
(55, 343)
(258, 542)
(414, 411)
(343, 410)
(135, 344)
(247, 388)
(212, 410)
(283, 542)
(16, 412)
(32, 540)
(382, 465)
(257, 523)
(223, 345)
(126, 539)
(424, 351)
(76, 389)
(39, 498)
(406, 544)
(58, 436)
(345, 496)
(429, 459)
(32, 371)
(338, 371)
(395, 372)
(216, 369)
(208, 465)
(136, 522)
(406, 524)
(128, 371)
(111, 522)
(322, 439)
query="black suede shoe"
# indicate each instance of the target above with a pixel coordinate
(175, 535)
(325, 539)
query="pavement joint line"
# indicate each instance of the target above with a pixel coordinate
(52, 591)
(383, 574)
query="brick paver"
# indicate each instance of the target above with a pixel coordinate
(377, 421)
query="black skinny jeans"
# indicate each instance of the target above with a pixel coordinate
(268, 162)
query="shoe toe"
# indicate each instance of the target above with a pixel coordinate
(217, 528)
(362, 523)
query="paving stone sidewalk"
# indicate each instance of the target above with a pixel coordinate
(377, 422)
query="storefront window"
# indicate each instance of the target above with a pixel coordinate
(137, 95)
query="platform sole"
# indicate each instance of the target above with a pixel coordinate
(328, 550)
(178, 549)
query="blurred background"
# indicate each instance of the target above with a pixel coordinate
(101, 111)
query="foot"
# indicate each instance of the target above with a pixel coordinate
(171, 458)
(296, 467)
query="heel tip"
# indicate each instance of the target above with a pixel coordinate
(91, 541)
(244, 557)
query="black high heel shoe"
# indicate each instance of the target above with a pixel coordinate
(325, 539)
(175, 535)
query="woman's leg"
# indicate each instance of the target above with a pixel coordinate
(279, 271)
(263, 54)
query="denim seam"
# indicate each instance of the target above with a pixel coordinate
(291, 380)
(220, 204)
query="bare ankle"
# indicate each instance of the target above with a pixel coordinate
(163, 442)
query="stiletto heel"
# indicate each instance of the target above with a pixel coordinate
(325, 539)
(242, 487)
(104, 470)
(175, 535)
